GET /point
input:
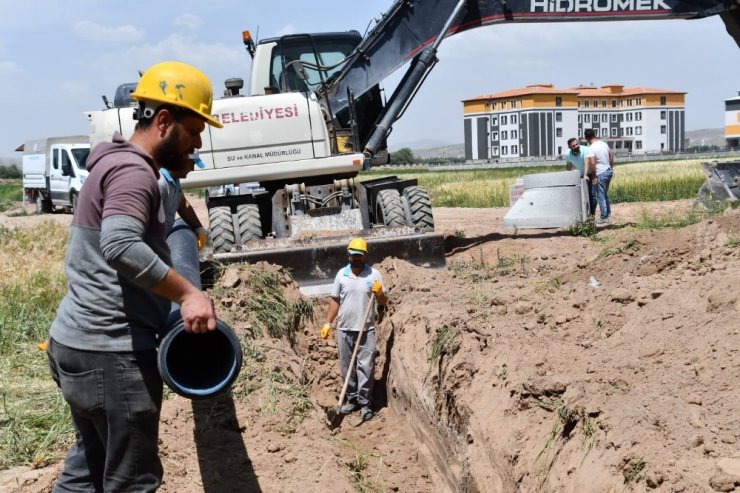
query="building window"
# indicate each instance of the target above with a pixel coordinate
(579, 104)
(514, 149)
(614, 117)
(513, 119)
(494, 150)
(614, 131)
(580, 118)
(662, 115)
(558, 101)
(513, 104)
(603, 103)
(663, 100)
(504, 135)
(638, 130)
(504, 120)
(558, 116)
(638, 102)
(587, 118)
(604, 117)
(614, 103)
(586, 103)
(494, 135)
(514, 134)
(621, 103)
(558, 132)
(638, 144)
(662, 129)
(638, 115)
(629, 117)
(629, 102)
(504, 150)
(629, 131)
(494, 120)
(596, 103)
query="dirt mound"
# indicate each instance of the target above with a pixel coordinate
(537, 361)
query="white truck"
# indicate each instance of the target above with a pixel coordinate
(54, 171)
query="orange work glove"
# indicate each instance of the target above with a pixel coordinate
(325, 331)
(202, 234)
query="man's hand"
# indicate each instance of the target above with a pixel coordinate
(325, 331)
(202, 234)
(198, 314)
(377, 288)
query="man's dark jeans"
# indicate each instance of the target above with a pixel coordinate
(115, 399)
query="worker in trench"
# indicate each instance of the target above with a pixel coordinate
(354, 287)
(103, 342)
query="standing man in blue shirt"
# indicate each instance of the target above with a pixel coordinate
(585, 162)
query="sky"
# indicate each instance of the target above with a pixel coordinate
(57, 58)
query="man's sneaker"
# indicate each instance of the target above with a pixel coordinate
(348, 408)
(603, 220)
(366, 413)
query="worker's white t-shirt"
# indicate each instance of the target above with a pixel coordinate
(601, 153)
(353, 294)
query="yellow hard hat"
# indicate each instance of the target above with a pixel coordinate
(178, 84)
(357, 246)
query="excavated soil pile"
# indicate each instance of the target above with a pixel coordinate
(537, 361)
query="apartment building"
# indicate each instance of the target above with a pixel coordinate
(538, 120)
(732, 121)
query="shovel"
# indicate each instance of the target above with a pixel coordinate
(333, 416)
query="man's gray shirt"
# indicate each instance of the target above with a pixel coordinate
(353, 294)
(116, 253)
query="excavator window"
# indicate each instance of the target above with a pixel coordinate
(329, 55)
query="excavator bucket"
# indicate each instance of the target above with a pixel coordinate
(722, 184)
(314, 262)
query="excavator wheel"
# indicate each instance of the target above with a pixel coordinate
(248, 221)
(222, 229)
(420, 208)
(390, 209)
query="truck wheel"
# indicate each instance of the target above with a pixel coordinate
(390, 209)
(74, 201)
(42, 204)
(420, 208)
(222, 229)
(249, 223)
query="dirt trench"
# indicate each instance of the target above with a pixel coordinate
(537, 361)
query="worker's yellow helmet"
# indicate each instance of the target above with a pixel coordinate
(178, 84)
(357, 247)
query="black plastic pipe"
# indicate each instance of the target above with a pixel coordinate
(195, 366)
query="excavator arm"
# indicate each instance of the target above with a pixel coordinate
(411, 30)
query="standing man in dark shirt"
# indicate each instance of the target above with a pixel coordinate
(103, 342)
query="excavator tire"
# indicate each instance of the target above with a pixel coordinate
(248, 220)
(222, 229)
(390, 209)
(420, 208)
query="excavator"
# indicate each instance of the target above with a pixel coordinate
(281, 176)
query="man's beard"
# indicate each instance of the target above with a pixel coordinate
(357, 263)
(168, 155)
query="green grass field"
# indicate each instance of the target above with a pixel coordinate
(634, 182)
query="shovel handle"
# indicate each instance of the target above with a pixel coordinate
(370, 304)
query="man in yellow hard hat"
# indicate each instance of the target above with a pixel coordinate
(103, 342)
(353, 287)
